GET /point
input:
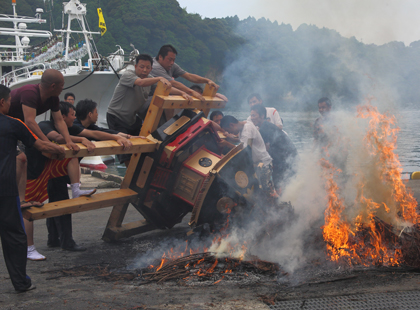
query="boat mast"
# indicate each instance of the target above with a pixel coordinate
(17, 40)
(76, 10)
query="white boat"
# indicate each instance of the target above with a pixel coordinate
(95, 79)
(93, 163)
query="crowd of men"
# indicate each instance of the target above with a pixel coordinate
(29, 178)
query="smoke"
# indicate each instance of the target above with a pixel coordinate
(292, 69)
(150, 252)
(361, 151)
(373, 21)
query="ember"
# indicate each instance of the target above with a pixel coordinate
(208, 266)
(384, 231)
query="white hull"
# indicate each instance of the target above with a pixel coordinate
(99, 87)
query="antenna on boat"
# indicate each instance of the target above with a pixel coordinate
(77, 11)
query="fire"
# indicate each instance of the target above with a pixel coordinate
(382, 200)
(223, 245)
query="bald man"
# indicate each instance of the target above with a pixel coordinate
(31, 100)
(27, 102)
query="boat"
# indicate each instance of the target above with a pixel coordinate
(93, 163)
(95, 78)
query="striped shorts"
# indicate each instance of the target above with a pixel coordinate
(36, 189)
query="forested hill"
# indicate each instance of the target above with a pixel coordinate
(292, 69)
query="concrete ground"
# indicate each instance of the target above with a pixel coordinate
(56, 290)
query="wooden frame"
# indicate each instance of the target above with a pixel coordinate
(120, 199)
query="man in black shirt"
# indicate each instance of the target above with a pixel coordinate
(12, 232)
(278, 145)
(60, 228)
(87, 116)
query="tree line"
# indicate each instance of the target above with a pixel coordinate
(291, 68)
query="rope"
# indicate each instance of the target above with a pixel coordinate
(92, 73)
(80, 80)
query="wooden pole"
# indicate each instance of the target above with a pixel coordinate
(211, 92)
(154, 112)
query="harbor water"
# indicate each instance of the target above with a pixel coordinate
(298, 125)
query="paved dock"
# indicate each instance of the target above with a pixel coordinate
(87, 292)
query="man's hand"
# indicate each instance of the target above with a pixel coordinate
(223, 97)
(212, 84)
(89, 144)
(188, 97)
(59, 150)
(73, 146)
(49, 147)
(165, 82)
(224, 143)
(197, 95)
(126, 144)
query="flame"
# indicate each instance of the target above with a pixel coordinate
(163, 261)
(382, 199)
(223, 245)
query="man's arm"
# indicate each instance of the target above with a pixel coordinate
(25, 134)
(185, 89)
(277, 120)
(29, 118)
(100, 135)
(48, 147)
(62, 128)
(223, 97)
(175, 91)
(199, 79)
(150, 81)
(55, 136)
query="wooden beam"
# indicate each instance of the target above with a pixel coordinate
(154, 113)
(109, 147)
(211, 92)
(80, 204)
(179, 102)
(127, 230)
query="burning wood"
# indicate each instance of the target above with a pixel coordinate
(207, 266)
(365, 232)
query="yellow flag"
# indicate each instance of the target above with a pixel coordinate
(102, 24)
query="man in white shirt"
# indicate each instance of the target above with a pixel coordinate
(272, 114)
(249, 135)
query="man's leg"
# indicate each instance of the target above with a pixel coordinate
(21, 178)
(53, 236)
(73, 170)
(13, 240)
(57, 190)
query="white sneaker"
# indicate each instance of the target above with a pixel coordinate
(33, 254)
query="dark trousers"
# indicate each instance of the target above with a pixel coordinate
(116, 124)
(13, 241)
(60, 230)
